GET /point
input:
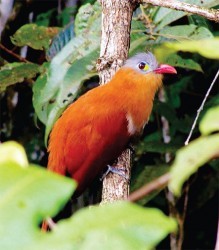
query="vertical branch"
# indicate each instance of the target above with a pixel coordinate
(115, 41)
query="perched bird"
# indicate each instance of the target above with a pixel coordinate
(95, 129)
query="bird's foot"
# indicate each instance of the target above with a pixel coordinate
(120, 171)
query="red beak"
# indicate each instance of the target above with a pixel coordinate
(165, 68)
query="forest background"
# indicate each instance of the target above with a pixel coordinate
(36, 86)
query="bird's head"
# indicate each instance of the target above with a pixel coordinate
(145, 63)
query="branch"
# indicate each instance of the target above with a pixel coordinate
(150, 187)
(21, 59)
(210, 14)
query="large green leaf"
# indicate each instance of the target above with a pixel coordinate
(27, 196)
(190, 158)
(120, 225)
(210, 122)
(36, 37)
(206, 47)
(75, 63)
(16, 72)
(88, 19)
(60, 40)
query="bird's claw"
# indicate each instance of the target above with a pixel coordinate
(120, 171)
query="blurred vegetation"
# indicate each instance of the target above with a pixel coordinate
(35, 93)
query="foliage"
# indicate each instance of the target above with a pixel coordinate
(31, 194)
(16, 72)
(37, 37)
(196, 46)
(197, 153)
(76, 59)
(61, 66)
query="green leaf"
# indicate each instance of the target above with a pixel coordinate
(138, 37)
(164, 109)
(165, 16)
(190, 158)
(173, 91)
(185, 32)
(155, 147)
(178, 61)
(210, 122)
(88, 19)
(67, 71)
(206, 47)
(146, 175)
(36, 37)
(13, 153)
(38, 89)
(60, 40)
(43, 19)
(16, 72)
(27, 196)
(120, 225)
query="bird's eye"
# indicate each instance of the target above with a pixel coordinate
(143, 66)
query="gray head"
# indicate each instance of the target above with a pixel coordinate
(142, 62)
(146, 62)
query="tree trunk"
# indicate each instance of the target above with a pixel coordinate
(115, 41)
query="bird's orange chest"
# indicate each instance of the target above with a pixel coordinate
(136, 96)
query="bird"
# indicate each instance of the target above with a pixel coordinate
(95, 129)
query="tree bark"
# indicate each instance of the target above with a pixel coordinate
(115, 41)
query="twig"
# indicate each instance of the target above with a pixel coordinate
(201, 108)
(156, 184)
(147, 21)
(210, 14)
(13, 54)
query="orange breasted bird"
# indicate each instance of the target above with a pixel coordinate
(94, 130)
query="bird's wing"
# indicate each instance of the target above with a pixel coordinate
(86, 138)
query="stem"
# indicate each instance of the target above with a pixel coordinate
(150, 187)
(21, 59)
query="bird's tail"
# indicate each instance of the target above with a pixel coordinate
(47, 225)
